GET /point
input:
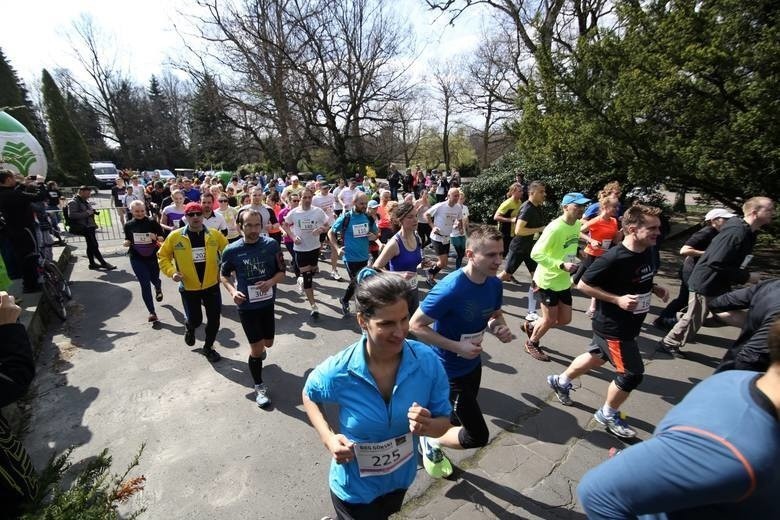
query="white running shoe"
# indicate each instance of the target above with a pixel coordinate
(262, 398)
(531, 316)
(299, 281)
(315, 312)
(335, 275)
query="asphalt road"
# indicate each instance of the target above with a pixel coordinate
(107, 379)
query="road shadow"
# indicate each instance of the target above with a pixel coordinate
(85, 325)
(58, 408)
(486, 497)
(503, 368)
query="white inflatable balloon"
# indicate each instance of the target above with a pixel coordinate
(20, 152)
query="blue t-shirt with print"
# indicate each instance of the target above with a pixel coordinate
(355, 235)
(253, 263)
(461, 307)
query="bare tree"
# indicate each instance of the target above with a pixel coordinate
(489, 89)
(107, 81)
(446, 81)
(407, 116)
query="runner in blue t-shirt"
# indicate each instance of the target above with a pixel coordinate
(453, 318)
(258, 266)
(388, 389)
(356, 229)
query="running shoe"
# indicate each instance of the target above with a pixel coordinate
(211, 354)
(152, 318)
(107, 266)
(189, 336)
(299, 281)
(434, 461)
(532, 316)
(262, 398)
(430, 280)
(336, 276)
(315, 312)
(344, 306)
(536, 351)
(561, 391)
(615, 424)
(158, 295)
(528, 328)
(670, 350)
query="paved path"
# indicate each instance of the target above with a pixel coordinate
(108, 379)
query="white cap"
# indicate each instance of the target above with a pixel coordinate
(718, 213)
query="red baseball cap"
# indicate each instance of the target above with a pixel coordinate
(193, 207)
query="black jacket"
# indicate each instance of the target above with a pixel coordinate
(763, 302)
(17, 367)
(721, 265)
(81, 212)
(15, 204)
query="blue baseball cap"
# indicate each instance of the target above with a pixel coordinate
(575, 198)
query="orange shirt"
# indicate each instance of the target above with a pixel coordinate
(604, 231)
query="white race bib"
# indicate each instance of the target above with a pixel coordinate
(383, 458)
(360, 230)
(474, 338)
(177, 223)
(606, 243)
(306, 225)
(198, 254)
(642, 303)
(142, 238)
(256, 295)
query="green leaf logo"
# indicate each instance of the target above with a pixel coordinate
(19, 155)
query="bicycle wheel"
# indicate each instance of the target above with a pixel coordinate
(54, 272)
(52, 293)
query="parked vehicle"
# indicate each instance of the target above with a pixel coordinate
(105, 174)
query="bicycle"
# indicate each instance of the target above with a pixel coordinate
(56, 290)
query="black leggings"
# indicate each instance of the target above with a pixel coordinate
(353, 268)
(424, 230)
(378, 509)
(466, 411)
(211, 299)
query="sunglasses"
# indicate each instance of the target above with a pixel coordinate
(195, 214)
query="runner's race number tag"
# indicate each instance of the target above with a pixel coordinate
(606, 243)
(475, 338)
(306, 224)
(142, 238)
(382, 458)
(359, 230)
(642, 303)
(256, 295)
(198, 254)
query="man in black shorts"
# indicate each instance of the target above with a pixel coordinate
(258, 266)
(621, 280)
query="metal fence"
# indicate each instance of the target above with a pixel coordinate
(110, 220)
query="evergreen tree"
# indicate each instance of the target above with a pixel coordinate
(212, 144)
(166, 143)
(14, 96)
(87, 121)
(70, 151)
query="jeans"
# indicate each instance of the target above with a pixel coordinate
(459, 243)
(147, 270)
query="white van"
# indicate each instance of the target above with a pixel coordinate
(105, 174)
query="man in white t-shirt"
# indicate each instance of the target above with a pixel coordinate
(304, 225)
(326, 201)
(347, 195)
(442, 217)
(257, 197)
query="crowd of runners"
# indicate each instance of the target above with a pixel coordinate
(411, 381)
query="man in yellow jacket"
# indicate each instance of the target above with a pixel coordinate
(190, 256)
